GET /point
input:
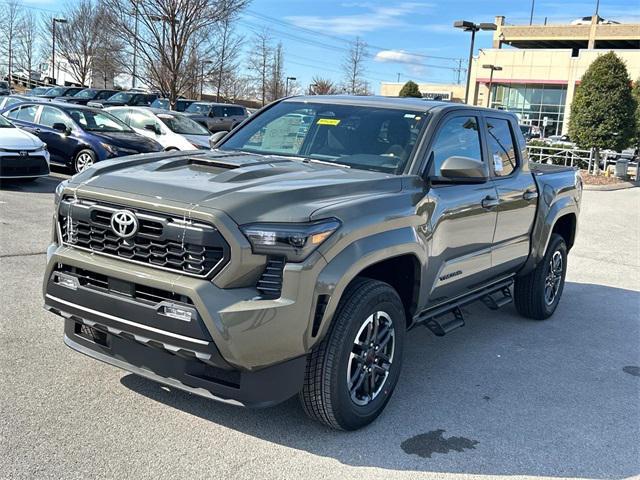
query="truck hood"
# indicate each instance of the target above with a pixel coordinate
(247, 187)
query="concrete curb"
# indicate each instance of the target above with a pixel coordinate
(610, 188)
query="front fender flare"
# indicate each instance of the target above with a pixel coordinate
(357, 256)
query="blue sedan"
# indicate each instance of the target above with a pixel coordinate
(79, 136)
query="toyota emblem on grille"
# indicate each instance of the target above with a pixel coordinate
(124, 223)
(24, 153)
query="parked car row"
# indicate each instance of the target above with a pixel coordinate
(77, 136)
(81, 126)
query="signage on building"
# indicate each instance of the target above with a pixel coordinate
(444, 96)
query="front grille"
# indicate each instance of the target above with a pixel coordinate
(162, 241)
(16, 166)
(270, 282)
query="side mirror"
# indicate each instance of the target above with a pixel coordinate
(463, 170)
(153, 128)
(60, 127)
(216, 138)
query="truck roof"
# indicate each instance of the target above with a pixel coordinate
(387, 102)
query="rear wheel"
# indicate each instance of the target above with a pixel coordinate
(538, 293)
(352, 373)
(83, 160)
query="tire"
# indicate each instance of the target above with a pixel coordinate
(533, 296)
(327, 395)
(83, 160)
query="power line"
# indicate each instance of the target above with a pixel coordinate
(288, 24)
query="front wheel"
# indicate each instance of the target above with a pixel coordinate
(353, 371)
(83, 160)
(538, 293)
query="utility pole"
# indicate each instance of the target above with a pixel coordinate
(398, 78)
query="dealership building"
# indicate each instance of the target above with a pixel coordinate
(533, 70)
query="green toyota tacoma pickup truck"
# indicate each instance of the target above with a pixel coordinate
(294, 257)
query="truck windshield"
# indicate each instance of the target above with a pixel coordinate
(363, 137)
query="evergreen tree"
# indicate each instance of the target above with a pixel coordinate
(602, 112)
(410, 89)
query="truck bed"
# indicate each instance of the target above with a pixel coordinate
(545, 168)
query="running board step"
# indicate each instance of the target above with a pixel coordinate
(494, 303)
(446, 323)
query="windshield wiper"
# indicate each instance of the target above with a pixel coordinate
(324, 162)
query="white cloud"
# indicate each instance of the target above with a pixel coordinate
(398, 56)
(357, 24)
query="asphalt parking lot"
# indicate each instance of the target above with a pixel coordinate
(503, 396)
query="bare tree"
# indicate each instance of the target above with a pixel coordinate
(170, 37)
(227, 46)
(322, 86)
(277, 82)
(27, 43)
(235, 86)
(108, 58)
(9, 26)
(354, 69)
(260, 61)
(78, 39)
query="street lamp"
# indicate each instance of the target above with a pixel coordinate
(473, 28)
(204, 62)
(286, 85)
(53, 49)
(493, 68)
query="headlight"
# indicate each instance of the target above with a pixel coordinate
(58, 193)
(117, 151)
(109, 148)
(295, 241)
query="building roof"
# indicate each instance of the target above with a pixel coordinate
(616, 36)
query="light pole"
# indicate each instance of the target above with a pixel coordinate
(135, 45)
(473, 28)
(53, 47)
(204, 62)
(286, 85)
(533, 4)
(493, 68)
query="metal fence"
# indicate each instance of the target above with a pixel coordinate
(561, 156)
(574, 157)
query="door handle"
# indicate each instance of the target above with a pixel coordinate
(489, 202)
(530, 195)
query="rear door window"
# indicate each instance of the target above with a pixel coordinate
(501, 146)
(50, 115)
(26, 113)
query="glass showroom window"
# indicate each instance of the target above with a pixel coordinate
(533, 103)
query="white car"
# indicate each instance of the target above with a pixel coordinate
(22, 155)
(172, 130)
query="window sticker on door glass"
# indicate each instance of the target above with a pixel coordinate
(328, 121)
(497, 163)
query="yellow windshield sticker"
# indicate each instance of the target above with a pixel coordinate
(328, 121)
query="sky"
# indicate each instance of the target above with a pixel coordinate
(409, 40)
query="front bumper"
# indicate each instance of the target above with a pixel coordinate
(238, 348)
